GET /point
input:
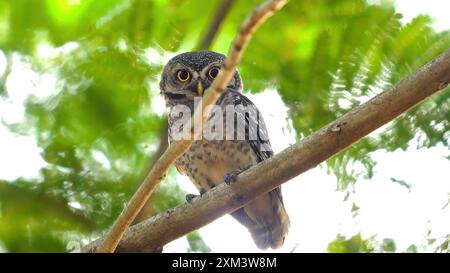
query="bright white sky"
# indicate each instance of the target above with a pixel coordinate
(317, 211)
(437, 9)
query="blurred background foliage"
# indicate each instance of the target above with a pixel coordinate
(92, 72)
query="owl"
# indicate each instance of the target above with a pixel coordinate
(234, 143)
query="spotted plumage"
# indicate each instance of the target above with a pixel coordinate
(226, 148)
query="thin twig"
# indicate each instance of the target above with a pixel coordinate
(259, 14)
(147, 210)
(157, 231)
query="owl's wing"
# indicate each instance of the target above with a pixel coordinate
(261, 145)
(255, 126)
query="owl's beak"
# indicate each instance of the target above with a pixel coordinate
(200, 89)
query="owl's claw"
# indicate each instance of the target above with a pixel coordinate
(190, 197)
(231, 177)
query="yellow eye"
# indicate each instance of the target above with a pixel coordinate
(213, 72)
(183, 75)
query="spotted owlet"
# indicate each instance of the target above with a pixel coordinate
(234, 139)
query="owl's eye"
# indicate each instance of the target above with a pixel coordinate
(213, 72)
(183, 75)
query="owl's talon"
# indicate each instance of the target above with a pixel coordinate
(190, 197)
(231, 177)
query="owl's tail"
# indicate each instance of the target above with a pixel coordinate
(266, 219)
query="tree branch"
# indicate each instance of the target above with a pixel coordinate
(146, 210)
(257, 17)
(306, 154)
(219, 16)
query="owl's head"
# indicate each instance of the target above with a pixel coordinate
(185, 73)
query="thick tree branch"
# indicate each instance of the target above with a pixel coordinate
(257, 17)
(306, 154)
